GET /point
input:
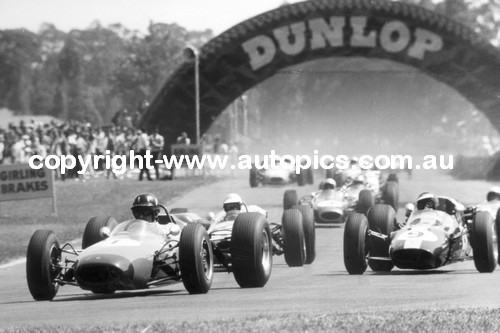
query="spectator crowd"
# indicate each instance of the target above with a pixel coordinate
(18, 142)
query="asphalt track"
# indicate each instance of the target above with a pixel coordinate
(322, 287)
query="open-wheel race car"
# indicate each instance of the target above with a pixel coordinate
(134, 254)
(430, 238)
(244, 242)
(281, 174)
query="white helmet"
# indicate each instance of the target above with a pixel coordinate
(427, 200)
(232, 201)
(329, 184)
(494, 193)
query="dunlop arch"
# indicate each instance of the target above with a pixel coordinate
(256, 49)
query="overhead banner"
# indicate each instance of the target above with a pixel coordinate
(19, 181)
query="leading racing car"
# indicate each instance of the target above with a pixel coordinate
(429, 239)
(244, 242)
(133, 254)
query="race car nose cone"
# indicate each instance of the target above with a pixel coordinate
(329, 214)
(109, 272)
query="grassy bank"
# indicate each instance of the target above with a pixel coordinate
(77, 202)
(454, 320)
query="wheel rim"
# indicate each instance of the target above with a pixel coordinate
(266, 251)
(206, 259)
(55, 260)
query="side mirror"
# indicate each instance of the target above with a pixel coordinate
(409, 209)
(211, 216)
(104, 232)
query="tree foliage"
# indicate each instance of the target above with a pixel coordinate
(88, 75)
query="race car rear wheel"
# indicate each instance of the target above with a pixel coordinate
(254, 181)
(355, 249)
(42, 265)
(309, 231)
(251, 250)
(340, 178)
(484, 242)
(91, 234)
(290, 199)
(302, 178)
(381, 218)
(292, 233)
(196, 259)
(365, 201)
(391, 194)
(310, 176)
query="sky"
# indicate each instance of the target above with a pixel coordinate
(218, 15)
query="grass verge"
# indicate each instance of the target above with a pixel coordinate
(77, 202)
(453, 320)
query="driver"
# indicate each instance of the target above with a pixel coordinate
(145, 207)
(232, 206)
(329, 184)
(493, 194)
(427, 200)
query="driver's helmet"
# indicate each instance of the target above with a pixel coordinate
(427, 200)
(360, 179)
(329, 184)
(232, 201)
(493, 194)
(144, 206)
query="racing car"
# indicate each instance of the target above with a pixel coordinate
(430, 238)
(333, 204)
(281, 175)
(130, 255)
(244, 243)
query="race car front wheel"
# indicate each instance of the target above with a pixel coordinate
(196, 259)
(91, 234)
(43, 265)
(484, 242)
(355, 249)
(309, 231)
(251, 250)
(292, 233)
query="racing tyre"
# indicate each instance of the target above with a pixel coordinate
(178, 210)
(484, 242)
(293, 238)
(196, 259)
(340, 178)
(365, 201)
(381, 218)
(254, 182)
(91, 234)
(391, 194)
(251, 250)
(309, 231)
(393, 178)
(497, 225)
(290, 199)
(355, 249)
(42, 265)
(302, 178)
(310, 176)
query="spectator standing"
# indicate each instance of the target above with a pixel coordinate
(142, 145)
(183, 139)
(157, 143)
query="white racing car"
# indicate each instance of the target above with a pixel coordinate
(282, 174)
(244, 241)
